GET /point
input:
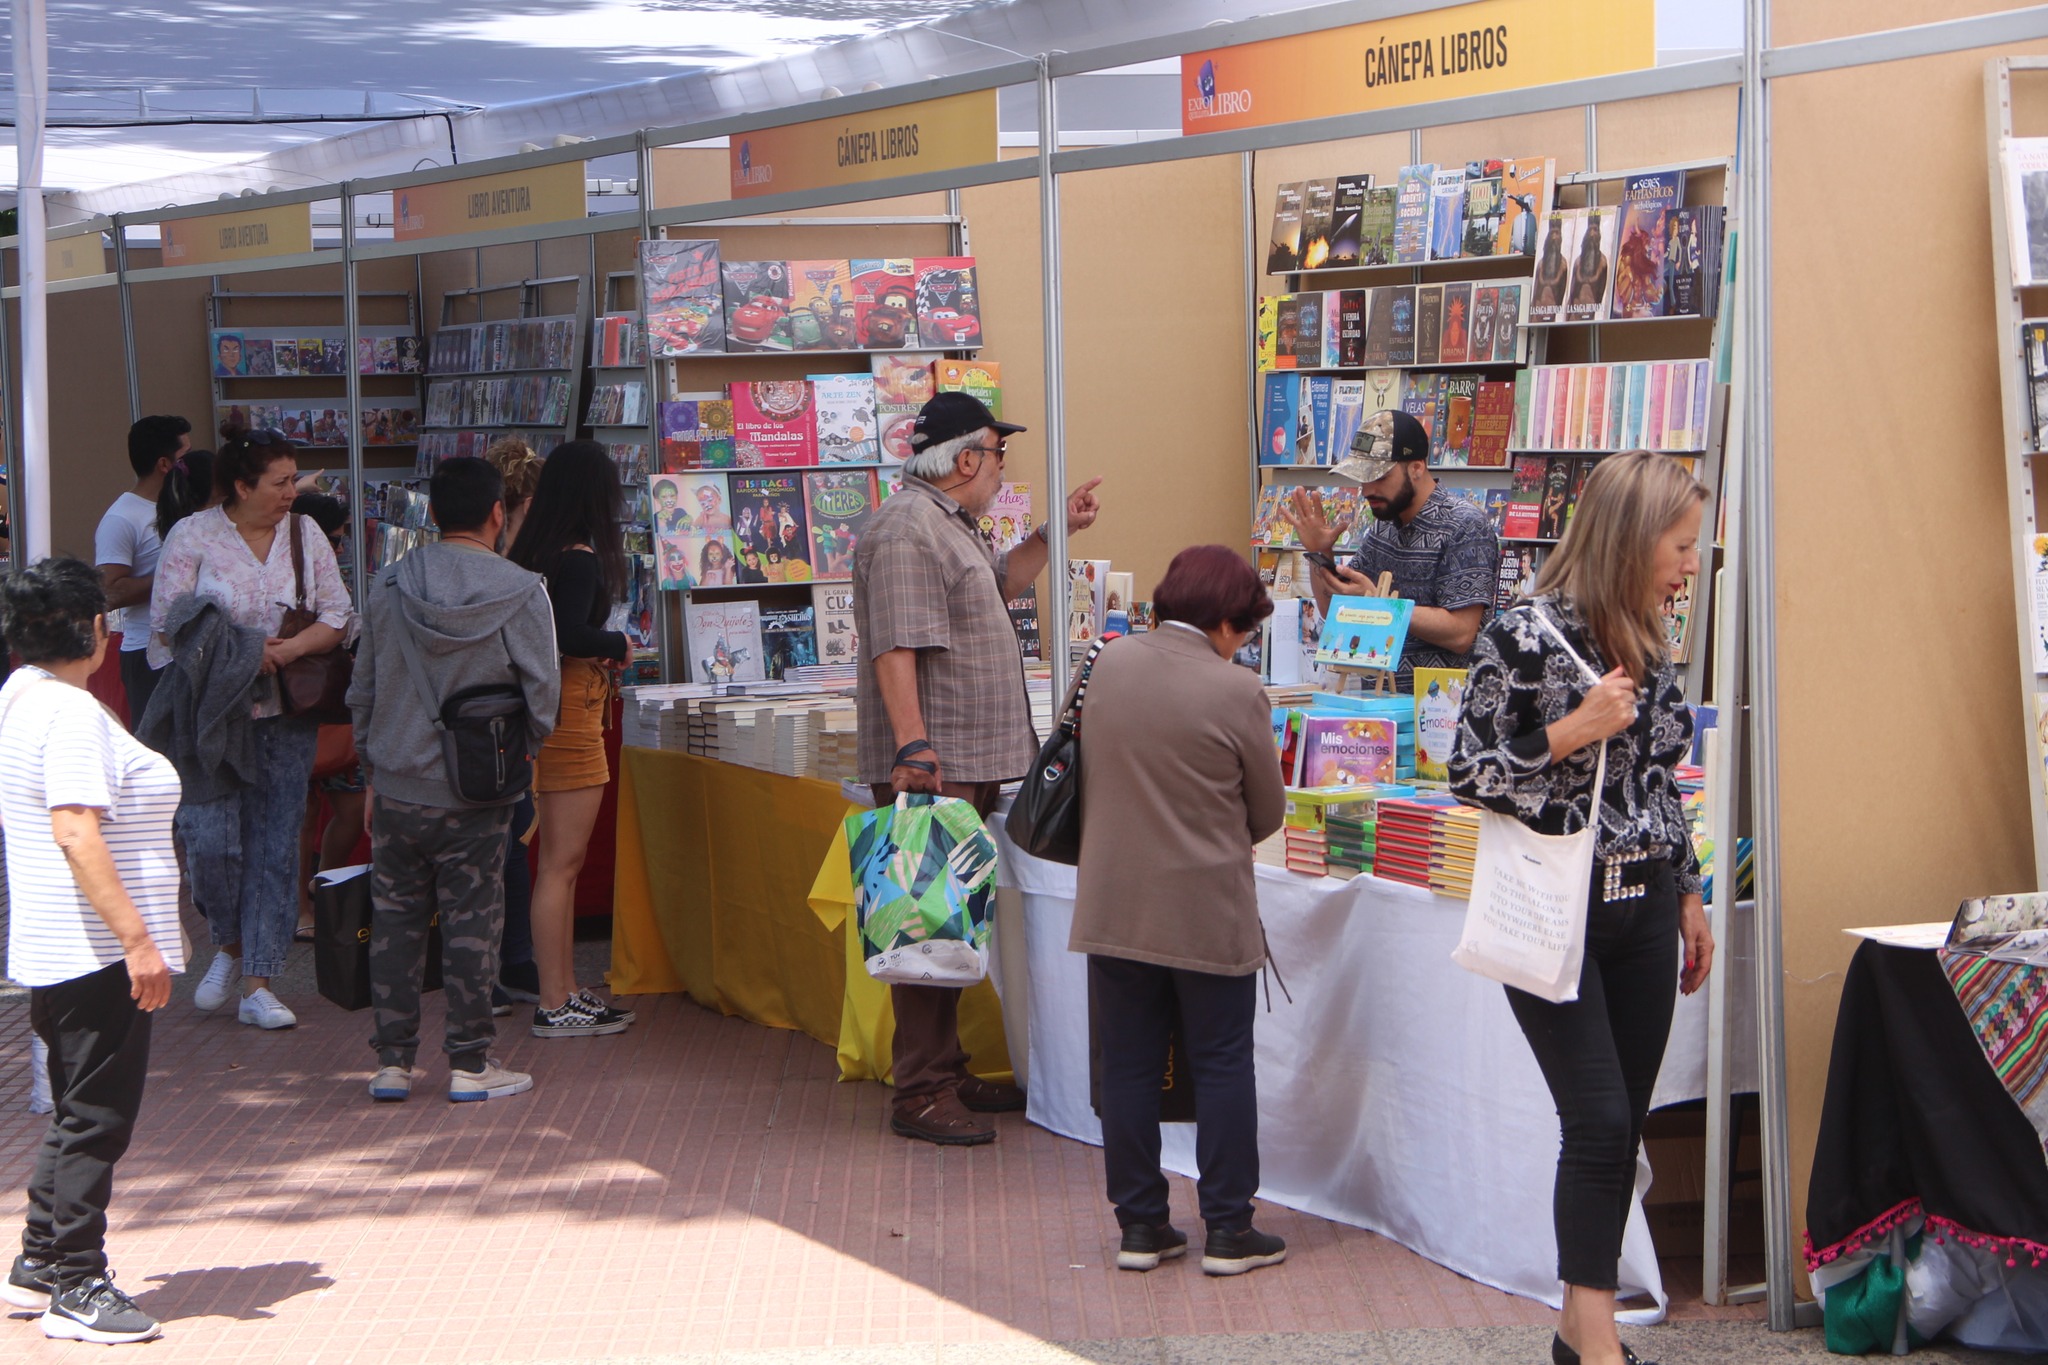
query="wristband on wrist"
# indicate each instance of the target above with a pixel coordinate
(904, 757)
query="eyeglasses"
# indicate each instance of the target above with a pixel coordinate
(1000, 449)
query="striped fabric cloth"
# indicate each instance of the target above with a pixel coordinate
(2006, 1000)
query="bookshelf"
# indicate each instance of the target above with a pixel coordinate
(504, 375)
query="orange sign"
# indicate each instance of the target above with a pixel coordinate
(76, 257)
(1477, 49)
(282, 230)
(541, 194)
(903, 139)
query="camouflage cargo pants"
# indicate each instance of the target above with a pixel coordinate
(424, 861)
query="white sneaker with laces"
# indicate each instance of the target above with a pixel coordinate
(391, 1083)
(492, 1083)
(264, 1010)
(219, 981)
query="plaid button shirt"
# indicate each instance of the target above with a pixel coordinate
(925, 579)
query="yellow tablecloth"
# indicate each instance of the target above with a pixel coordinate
(733, 885)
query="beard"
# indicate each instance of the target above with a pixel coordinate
(1395, 505)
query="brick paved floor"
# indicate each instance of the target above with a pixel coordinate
(699, 1188)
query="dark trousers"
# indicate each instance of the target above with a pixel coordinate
(1600, 1055)
(926, 1058)
(517, 947)
(99, 1058)
(427, 861)
(139, 681)
(1136, 1004)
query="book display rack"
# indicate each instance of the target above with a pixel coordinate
(492, 377)
(1532, 322)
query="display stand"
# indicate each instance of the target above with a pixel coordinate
(506, 376)
(2014, 304)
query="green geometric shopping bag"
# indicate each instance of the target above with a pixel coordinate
(924, 876)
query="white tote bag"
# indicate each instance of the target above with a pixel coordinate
(1525, 925)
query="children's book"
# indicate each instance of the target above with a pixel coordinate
(948, 303)
(1347, 217)
(724, 640)
(1274, 523)
(1283, 253)
(684, 306)
(1007, 522)
(1447, 213)
(821, 306)
(885, 303)
(903, 385)
(1412, 214)
(841, 501)
(789, 637)
(775, 423)
(769, 522)
(1365, 632)
(838, 642)
(756, 305)
(981, 378)
(847, 433)
(1344, 751)
(1439, 692)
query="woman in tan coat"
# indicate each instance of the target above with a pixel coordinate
(1180, 780)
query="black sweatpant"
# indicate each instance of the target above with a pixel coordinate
(99, 1057)
(1136, 1004)
(1600, 1055)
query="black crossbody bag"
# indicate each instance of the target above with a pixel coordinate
(486, 744)
(1045, 817)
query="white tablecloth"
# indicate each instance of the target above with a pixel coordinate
(1396, 1091)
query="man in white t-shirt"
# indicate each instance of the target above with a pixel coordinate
(126, 546)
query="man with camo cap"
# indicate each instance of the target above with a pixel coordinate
(476, 621)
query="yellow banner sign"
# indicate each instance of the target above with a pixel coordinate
(1477, 49)
(542, 194)
(283, 230)
(76, 258)
(904, 139)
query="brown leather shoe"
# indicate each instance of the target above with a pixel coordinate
(989, 1097)
(942, 1120)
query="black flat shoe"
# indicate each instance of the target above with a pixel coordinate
(1561, 1354)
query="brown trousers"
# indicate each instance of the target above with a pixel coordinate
(927, 1057)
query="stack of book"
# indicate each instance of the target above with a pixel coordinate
(1351, 836)
(1329, 830)
(1427, 841)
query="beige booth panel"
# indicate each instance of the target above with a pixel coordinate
(1812, 21)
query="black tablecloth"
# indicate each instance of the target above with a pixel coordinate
(1914, 1112)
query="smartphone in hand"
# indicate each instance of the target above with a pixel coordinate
(1320, 560)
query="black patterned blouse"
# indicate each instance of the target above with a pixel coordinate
(1520, 682)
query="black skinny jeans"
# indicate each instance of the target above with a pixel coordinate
(1600, 1055)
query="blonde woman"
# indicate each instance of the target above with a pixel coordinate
(1529, 738)
(518, 978)
(515, 460)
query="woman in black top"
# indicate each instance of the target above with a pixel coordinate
(571, 537)
(1529, 739)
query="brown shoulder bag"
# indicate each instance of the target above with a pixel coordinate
(313, 686)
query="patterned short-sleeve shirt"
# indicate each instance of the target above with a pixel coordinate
(924, 579)
(1445, 557)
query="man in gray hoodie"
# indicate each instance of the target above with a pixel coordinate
(476, 620)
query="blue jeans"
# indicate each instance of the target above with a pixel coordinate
(242, 851)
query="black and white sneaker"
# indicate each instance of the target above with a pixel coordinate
(29, 1284)
(1145, 1246)
(599, 1005)
(575, 1019)
(96, 1311)
(1233, 1253)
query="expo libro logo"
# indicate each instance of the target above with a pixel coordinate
(748, 173)
(1209, 102)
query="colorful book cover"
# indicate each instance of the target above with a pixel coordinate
(1447, 213)
(1283, 253)
(1485, 300)
(1595, 435)
(838, 642)
(1429, 324)
(1553, 278)
(724, 639)
(1333, 330)
(1318, 205)
(1265, 344)
(1566, 377)
(1653, 414)
(1347, 415)
(789, 636)
(840, 502)
(948, 302)
(1634, 403)
(1455, 404)
(1507, 325)
(1493, 414)
(847, 432)
(821, 306)
(1485, 209)
(1411, 214)
(981, 378)
(1702, 390)
(1277, 412)
(1007, 522)
(1457, 331)
(1376, 227)
(1525, 194)
(885, 303)
(1345, 751)
(692, 525)
(684, 297)
(1495, 506)
(1286, 331)
(1678, 408)
(1582, 469)
(770, 524)
(1308, 331)
(1439, 692)
(1592, 284)
(1418, 399)
(1312, 419)
(1364, 632)
(1351, 323)
(1399, 302)
(1617, 407)
(1274, 523)
(775, 423)
(1555, 508)
(1676, 611)
(903, 385)
(1687, 280)
(1583, 379)
(1525, 393)
(1347, 216)
(1646, 202)
(756, 305)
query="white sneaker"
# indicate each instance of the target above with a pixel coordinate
(220, 979)
(392, 1083)
(264, 1010)
(492, 1083)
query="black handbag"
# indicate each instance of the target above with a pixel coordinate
(1045, 817)
(486, 742)
(341, 942)
(313, 686)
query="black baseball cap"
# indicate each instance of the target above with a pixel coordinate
(951, 415)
